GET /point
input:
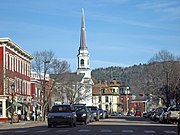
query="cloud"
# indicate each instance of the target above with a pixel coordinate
(167, 8)
(104, 3)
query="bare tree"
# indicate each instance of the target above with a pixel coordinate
(45, 62)
(163, 75)
(72, 88)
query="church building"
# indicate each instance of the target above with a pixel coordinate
(84, 62)
(76, 87)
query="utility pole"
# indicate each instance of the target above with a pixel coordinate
(44, 89)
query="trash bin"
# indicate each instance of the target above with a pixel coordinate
(15, 118)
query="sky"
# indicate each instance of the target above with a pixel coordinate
(118, 32)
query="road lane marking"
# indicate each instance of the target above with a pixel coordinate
(149, 131)
(127, 131)
(84, 130)
(170, 132)
(62, 131)
(42, 131)
(106, 131)
(1, 132)
(21, 131)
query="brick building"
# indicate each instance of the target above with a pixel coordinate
(14, 69)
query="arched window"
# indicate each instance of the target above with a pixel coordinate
(82, 62)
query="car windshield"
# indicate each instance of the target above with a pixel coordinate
(61, 109)
(80, 108)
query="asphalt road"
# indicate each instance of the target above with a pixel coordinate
(110, 126)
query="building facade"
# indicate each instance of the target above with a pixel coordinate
(36, 90)
(112, 97)
(15, 70)
(106, 96)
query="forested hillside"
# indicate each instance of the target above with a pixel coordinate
(161, 76)
(129, 76)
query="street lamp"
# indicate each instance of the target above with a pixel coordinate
(12, 103)
(44, 88)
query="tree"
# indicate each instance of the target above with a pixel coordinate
(164, 75)
(72, 87)
(45, 62)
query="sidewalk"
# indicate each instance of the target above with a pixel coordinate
(22, 124)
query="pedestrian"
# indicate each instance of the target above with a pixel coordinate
(25, 116)
(33, 116)
(19, 114)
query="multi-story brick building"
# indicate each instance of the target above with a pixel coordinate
(14, 69)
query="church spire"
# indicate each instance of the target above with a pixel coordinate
(83, 33)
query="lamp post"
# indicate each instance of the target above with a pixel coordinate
(12, 103)
(44, 88)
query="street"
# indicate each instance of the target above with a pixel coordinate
(110, 126)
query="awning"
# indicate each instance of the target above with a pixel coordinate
(17, 104)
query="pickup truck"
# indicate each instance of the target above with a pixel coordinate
(173, 114)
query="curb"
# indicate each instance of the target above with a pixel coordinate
(23, 124)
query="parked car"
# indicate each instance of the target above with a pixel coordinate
(119, 113)
(157, 113)
(138, 113)
(172, 114)
(147, 114)
(95, 111)
(106, 114)
(114, 114)
(92, 115)
(83, 114)
(102, 113)
(162, 117)
(62, 115)
(129, 113)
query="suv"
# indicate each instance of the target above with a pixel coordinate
(83, 114)
(95, 111)
(62, 115)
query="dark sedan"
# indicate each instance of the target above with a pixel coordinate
(62, 115)
(83, 114)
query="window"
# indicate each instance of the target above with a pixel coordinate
(107, 99)
(56, 109)
(7, 60)
(106, 107)
(99, 98)
(113, 90)
(12, 63)
(103, 90)
(0, 108)
(82, 62)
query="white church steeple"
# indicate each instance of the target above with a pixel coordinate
(83, 53)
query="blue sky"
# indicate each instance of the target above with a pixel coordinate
(119, 32)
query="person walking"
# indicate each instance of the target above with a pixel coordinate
(25, 116)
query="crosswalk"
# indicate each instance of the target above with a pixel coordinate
(129, 131)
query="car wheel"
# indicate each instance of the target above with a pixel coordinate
(74, 124)
(54, 125)
(49, 125)
(85, 122)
